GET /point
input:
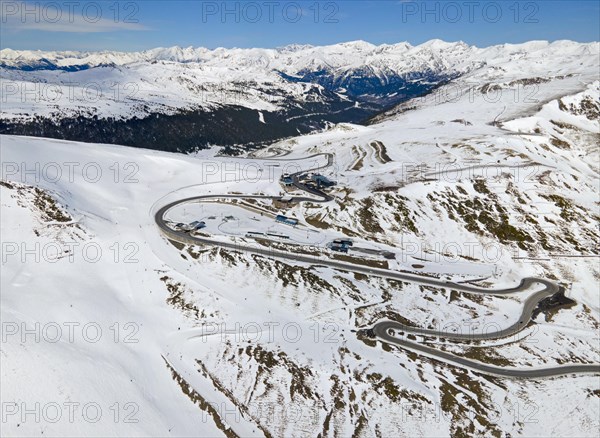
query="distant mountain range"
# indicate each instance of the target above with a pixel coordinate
(182, 99)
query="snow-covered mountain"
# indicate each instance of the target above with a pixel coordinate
(491, 178)
(186, 98)
(402, 57)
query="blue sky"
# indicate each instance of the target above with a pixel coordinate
(138, 25)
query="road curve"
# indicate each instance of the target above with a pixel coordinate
(382, 329)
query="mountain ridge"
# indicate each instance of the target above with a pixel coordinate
(10, 57)
(301, 88)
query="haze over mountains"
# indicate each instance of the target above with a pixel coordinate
(184, 99)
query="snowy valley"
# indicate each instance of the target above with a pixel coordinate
(488, 178)
(184, 99)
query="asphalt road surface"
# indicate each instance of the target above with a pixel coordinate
(388, 331)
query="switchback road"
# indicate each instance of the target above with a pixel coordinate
(387, 331)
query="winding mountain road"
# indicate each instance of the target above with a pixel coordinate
(386, 330)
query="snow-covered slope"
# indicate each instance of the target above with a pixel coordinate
(124, 85)
(178, 99)
(456, 185)
(168, 80)
(402, 57)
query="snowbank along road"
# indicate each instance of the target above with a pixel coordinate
(387, 331)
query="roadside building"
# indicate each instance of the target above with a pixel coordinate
(286, 220)
(322, 181)
(287, 180)
(283, 203)
(279, 236)
(337, 247)
(197, 225)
